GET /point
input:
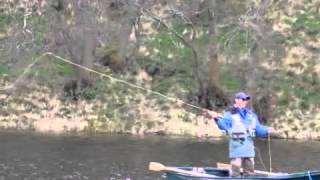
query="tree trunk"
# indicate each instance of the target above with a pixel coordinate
(78, 40)
(213, 95)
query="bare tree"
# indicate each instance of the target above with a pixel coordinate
(216, 95)
(75, 36)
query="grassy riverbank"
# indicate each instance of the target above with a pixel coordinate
(113, 107)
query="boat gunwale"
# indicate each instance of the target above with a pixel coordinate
(280, 176)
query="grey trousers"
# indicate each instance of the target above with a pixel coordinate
(246, 163)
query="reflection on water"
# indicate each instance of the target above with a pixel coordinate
(113, 157)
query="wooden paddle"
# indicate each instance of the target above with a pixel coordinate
(155, 166)
(228, 166)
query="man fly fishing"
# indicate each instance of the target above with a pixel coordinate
(242, 125)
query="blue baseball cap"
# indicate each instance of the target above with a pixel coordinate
(242, 95)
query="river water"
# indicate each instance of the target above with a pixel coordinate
(29, 156)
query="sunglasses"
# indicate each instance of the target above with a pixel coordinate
(245, 99)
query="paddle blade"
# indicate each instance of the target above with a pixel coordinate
(223, 165)
(155, 166)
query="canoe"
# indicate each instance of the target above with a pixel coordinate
(210, 173)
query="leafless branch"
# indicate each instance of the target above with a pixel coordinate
(184, 41)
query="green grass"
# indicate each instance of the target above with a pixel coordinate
(5, 20)
(308, 22)
(63, 69)
(232, 39)
(4, 71)
(297, 90)
(231, 83)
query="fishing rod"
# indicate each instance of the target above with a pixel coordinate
(173, 99)
(269, 149)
